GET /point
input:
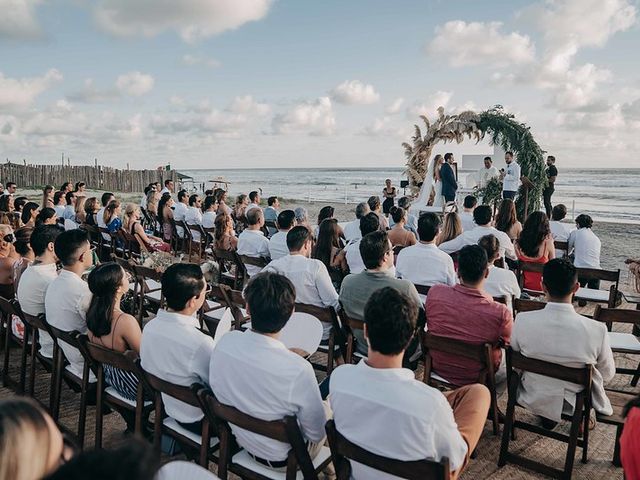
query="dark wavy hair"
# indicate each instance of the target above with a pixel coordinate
(163, 201)
(26, 211)
(325, 212)
(328, 238)
(103, 281)
(534, 231)
(506, 216)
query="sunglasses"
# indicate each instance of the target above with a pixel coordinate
(9, 238)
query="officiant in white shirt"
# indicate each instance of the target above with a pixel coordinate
(486, 173)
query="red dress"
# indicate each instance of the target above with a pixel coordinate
(630, 445)
(532, 280)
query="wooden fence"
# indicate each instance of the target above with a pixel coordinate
(96, 177)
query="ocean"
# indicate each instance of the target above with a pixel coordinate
(611, 195)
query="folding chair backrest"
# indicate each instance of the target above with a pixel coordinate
(599, 274)
(342, 450)
(254, 261)
(564, 246)
(527, 267)
(620, 315)
(478, 352)
(523, 305)
(422, 289)
(500, 299)
(158, 385)
(100, 355)
(580, 376)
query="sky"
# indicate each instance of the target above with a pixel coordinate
(304, 83)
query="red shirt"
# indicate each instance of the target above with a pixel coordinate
(470, 315)
(630, 445)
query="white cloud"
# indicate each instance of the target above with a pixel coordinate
(581, 87)
(316, 118)
(135, 84)
(383, 127)
(429, 107)
(20, 93)
(193, 60)
(92, 94)
(247, 105)
(395, 106)
(478, 43)
(354, 92)
(191, 19)
(18, 19)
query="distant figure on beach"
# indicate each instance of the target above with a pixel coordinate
(552, 174)
(510, 177)
(486, 173)
(448, 179)
(389, 193)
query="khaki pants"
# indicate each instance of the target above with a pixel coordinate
(470, 406)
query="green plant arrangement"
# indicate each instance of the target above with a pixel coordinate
(491, 193)
(502, 129)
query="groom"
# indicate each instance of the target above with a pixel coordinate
(448, 178)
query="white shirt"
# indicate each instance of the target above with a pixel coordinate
(208, 219)
(558, 334)
(101, 224)
(66, 303)
(164, 190)
(390, 413)
(180, 211)
(425, 264)
(354, 259)
(259, 376)
(278, 245)
(250, 206)
(193, 217)
(467, 221)
(471, 237)
(173, 349)
(59, 210)
(560, 232)
(486, 174)
(501, 282)
(143, 201)
(352, 230)
(31, 293)
(586, 247)
(511, 180)
(69, 213)
(254, 244)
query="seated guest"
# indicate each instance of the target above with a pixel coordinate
(81, 213)
(630, 439)
(310, 275)
(356, 289)
(466, 217)
(271, 212)
(302, 217)
(23, 248)
(224, 236)
(111, 216)
(47, 216)
(573, 341)
(465, 312)
(165, 216)
(398, 235)
(32, 445)
(585, 246)
(451, 228)
(194, 215)
(278, 242)
(254, 201)
(506, 219)
(501, 282)
(351, 253)
(106, 199)
(59, 203)
(258, 375)
(221, 202)
(209, 212)
(380, 406)
(240, 207)
(324, 213)
(252, 241)
(109, 326)
(68, 295)
(8, 256)
(424, 263)
(328, 246)
(535, 245)
(482, 217)
(560, 231)
(29, 213)
(70, 210)
(352, 229)
(172, 346)
(376, 207)
(412, 220)
(180, 210)
(133, 225)
(91, 207)
(47, 196)
(36, 279)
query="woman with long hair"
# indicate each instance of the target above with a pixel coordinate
(535, 245)
(133, 225)
(451, 228)
(398, 235)
(109, 326)
(111, 216)
(23, 248)
(438, 160)
(506, 220)
(153, 199)
(165, 214)
(327, 247)
(7, 203)
(31, 445)
(242, 201)
(47, 216)
(81, 213)
(325, 212)
(224, 236)
(29, 213)
(91, 208)
(47, 196)
(221, 201)
(8, 256)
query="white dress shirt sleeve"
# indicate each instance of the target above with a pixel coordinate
(453, 245)
(202, 358)
(451, 273)
(507, 244)
(606, 364)
(571, 241)
(325, 287)
(311, 414)
(513, 285)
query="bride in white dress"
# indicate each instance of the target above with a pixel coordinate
(431, 182)
(437, 199)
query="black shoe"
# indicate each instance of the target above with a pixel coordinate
(548, 424)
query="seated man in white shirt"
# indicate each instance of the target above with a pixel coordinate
(585, 246)
(70, 209)
(501, 282)
(314, 286)
(36, 279)
(466, 216)
(68, 296)
(251, 241)
(369, 223)
(560, 231)
(254, 372)
(254, 198)
(172, 347)
(573, 341)
(381, 407)
(352, 229)
(59, 203)
(278, 242)
(424, 263)
(181, 209)
(482, 216)
(168, 187)
(194, 215)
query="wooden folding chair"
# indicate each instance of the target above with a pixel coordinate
(197, 240)
(523, 269)
(205, 444)
(37, 323)
(259, 262)
(285, 430)
(106, 246)
(95, 238)
(107, 395)
(9, 309)
(564, 246)
(270, 226)
(149, 289)
(230, 268)
(621, 342)
(580, 376)
(342, 450)
(349, 325)
(609, 297)
(501, 299)
(238, 306)
(182, 243)
(618, 401)
(325, 315)
(481, 353)
(524, 305)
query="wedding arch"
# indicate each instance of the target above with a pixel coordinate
(501, 128)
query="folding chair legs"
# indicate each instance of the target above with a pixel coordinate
(636, 376)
